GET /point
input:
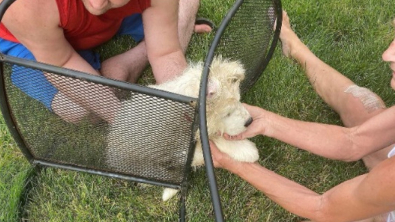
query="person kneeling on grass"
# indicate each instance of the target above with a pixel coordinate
(64, 32)
(368, 134)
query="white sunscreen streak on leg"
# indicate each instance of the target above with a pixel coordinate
(370, 101)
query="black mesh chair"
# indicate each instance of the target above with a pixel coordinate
(246, 34)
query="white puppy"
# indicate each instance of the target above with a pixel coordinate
(225, 114)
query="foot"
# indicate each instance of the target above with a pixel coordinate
(203, 25)
(127, 66)
(67, 109)
(202, 28)
(289, 40)
(121, 68)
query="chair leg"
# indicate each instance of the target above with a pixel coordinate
(182, 213)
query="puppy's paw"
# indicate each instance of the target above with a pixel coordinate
(198, 159)
(168, 193)
(246, 152)
(240, 150)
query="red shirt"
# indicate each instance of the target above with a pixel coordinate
(84, 30)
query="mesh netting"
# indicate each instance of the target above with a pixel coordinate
(150, 137)
(250, 37)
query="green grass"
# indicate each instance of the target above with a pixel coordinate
(14, 170)
(348, 36)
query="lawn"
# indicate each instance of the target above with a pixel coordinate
(348, 35)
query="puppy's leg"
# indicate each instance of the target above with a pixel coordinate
(168, 193)
(198, 159)
(241, 150)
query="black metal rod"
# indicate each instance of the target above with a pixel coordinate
(4, 102)
(102, 173)
(5, 110)
(188, 169)
(4, 6)
(182, 210)
(279, 19)
(202, 114)
(97, 79)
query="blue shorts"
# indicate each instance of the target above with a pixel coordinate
(35, 84)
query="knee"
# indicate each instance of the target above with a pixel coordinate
(369, 100)
(67, 109)
(360, 106)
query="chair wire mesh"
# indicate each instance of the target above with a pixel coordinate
(250, 37)
(122, 148)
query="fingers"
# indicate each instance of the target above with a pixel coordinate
(235, 137)
(215, 154)
(247, 106)
(212, 145)
(253, 110)
(214, 149)
(240, 136)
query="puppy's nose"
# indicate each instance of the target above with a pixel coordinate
(249, 121)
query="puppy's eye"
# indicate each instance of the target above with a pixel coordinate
(234, 80)
(227, 115)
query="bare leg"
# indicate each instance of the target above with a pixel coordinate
(127, 66)
(186, 22)
(86, 97)
(67, 109)
(334, 88)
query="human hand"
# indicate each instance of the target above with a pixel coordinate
(255, 128)
(220, 159)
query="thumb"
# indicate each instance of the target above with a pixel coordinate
(239, 136)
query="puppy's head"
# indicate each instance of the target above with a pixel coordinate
(225, 78)
(228, 116)
(225, 113)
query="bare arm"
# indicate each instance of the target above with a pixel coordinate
(162, 42)
(35, 24)
(362, 197)
(329, 141)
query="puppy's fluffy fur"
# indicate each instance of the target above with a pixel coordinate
(225, 114)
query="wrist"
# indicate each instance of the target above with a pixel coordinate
(232, 166)
(266, 126)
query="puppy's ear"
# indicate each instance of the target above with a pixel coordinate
(212, 88)
(234, 79)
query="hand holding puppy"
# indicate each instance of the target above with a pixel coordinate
(257, 127)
